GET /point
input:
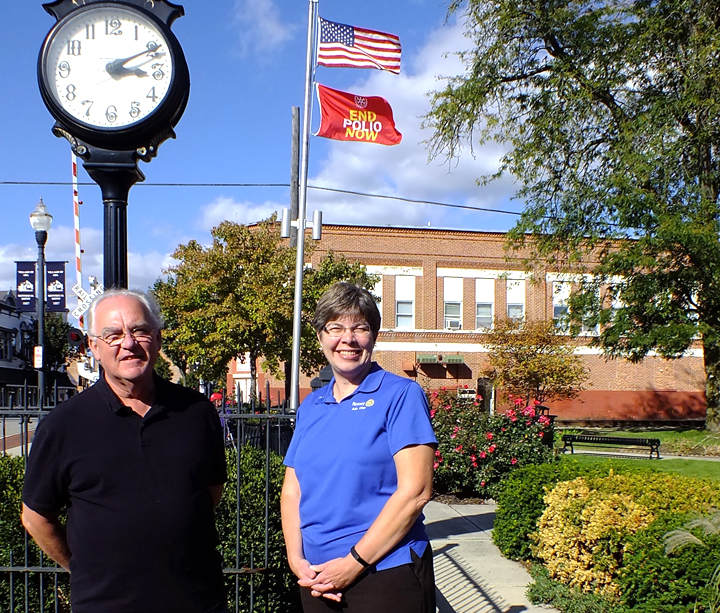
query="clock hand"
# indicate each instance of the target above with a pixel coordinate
(116, 65)
(121, 72)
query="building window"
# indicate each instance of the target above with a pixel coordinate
(561, 295)
(484, 302)
(404, 314)
(453, 315)
(27, 342)
(404, 302)
(561, 310)
(452, 296)
(6, 345)
(483, 315)
(516, 298)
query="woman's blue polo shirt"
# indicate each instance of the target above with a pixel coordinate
(342, 453)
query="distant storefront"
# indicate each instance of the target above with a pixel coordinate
(18, 380)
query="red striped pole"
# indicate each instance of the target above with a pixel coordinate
(78, 249)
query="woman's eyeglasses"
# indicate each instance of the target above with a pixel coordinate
(337, 330)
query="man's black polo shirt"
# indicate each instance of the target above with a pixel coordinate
(140, 524)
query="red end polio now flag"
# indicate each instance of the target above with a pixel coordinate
(345, 116)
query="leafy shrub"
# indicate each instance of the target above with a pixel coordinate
(597, 526)
(652, 581)
(545, 590)
(277, 581)
(476, 451)
(581, 531)
(12, 550)
(520, 502)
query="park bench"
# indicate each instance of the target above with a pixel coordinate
(602, 441)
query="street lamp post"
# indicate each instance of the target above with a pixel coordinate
(41, 221)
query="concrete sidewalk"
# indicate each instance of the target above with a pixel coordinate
(471, 574)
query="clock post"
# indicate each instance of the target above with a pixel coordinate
(114, 77)
(115, 173)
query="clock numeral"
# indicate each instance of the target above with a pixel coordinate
(152, 95)
(112, 27)
(158, 74)
(136, 33)
(152, 46)
(111, 114)
(90, 103)
(70, 94)
(64, 69)
(90, 31)
(134, 109)
(73, 47)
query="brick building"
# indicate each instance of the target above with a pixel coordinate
(440, 288)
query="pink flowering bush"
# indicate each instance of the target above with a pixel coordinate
(476, 450)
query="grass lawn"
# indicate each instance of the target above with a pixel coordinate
(675, 441)
(702, 469)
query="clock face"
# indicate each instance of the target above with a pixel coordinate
(108, 67)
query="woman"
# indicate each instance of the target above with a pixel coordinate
(359, 472)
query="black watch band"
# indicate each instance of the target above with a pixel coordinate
(356, 555)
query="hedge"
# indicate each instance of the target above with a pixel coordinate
(599, 529)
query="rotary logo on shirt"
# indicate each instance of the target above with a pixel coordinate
(362, 405)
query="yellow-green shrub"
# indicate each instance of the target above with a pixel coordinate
(583, 531)
(579, 531)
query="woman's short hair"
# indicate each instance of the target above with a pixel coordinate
(342, 299)
(147, 300)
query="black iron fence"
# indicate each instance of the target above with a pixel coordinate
(248, 517)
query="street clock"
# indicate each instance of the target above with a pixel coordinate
(113, 74)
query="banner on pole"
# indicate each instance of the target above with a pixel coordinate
(345, 116)
(25, 288)
(352, 47)
(55, 276)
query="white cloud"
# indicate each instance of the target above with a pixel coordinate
(404, 169)
(144, 269)
(227, 209)
(261, 29)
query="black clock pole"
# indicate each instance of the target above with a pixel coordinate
(126, 126)
(115, 172)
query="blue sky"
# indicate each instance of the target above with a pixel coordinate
(247, 66)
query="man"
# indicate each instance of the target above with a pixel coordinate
(139, 465)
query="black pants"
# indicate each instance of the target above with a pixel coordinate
(409, 588)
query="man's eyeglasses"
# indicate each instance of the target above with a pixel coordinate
(337, 330)
(114, 339)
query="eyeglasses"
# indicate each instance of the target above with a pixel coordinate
(115, 339)
(337, 330)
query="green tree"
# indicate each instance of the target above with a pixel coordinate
(162, 368)
(57, 351)
(236, 298)
(610, 117)
(531, 359)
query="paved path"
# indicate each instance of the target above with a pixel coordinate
(470, 573)
(13, 434)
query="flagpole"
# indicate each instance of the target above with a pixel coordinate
(302, 206)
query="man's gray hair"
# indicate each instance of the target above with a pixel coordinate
(147, 300)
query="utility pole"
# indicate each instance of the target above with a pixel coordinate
(294, 205)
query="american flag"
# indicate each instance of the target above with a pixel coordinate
(350, 47)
